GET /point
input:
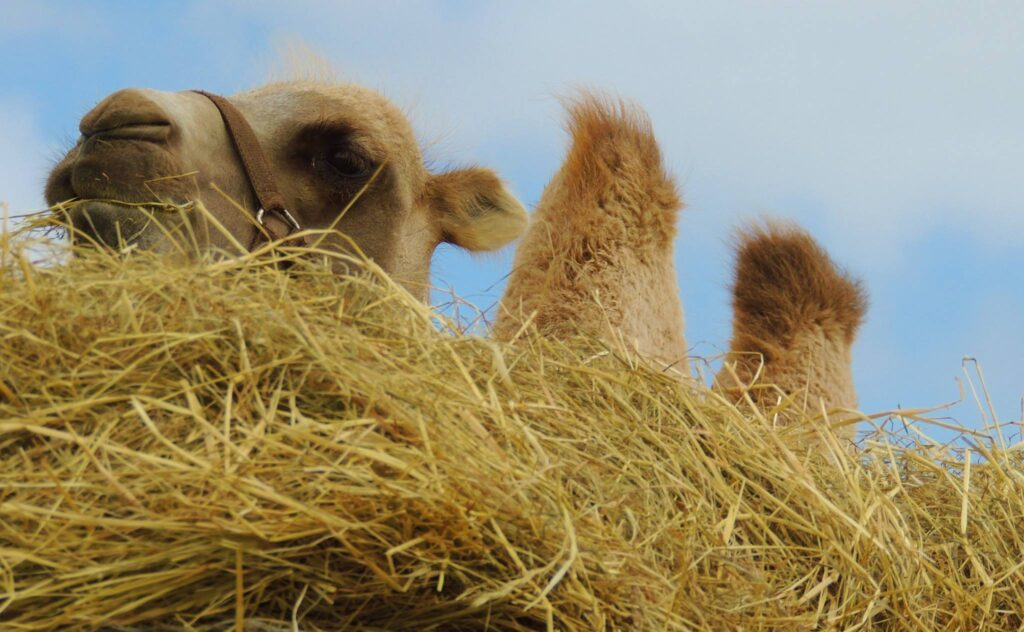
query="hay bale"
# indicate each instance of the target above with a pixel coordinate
(215, 445)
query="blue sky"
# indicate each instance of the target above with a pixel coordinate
(894, 131)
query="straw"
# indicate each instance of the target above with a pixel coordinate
(220, 445)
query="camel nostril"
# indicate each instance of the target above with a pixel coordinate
(127, 114)
(154, 133)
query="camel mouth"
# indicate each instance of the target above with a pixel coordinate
(123, 193)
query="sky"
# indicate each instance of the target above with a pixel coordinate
(892, 131)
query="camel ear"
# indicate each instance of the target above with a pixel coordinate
(475, 210)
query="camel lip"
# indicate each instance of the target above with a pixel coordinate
(58, 185)
(111, 204)
(126, 207)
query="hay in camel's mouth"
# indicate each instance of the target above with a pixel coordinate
(123, 227)
(135, 216)
(198, 445)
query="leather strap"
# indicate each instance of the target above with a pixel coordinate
(272, 216)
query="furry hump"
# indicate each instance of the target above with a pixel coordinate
(616, 174)
(597, 257)
(786, 284)
(795, 316)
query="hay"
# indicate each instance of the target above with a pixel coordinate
(224, 444)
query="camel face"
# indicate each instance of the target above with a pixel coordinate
(342, 155)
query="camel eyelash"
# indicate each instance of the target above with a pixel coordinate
(331, 151)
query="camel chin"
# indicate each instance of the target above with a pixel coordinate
(123, 227)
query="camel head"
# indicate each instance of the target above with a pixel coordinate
(343, 157)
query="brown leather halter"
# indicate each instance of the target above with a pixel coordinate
(274, 221)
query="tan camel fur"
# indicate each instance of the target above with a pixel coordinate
(597, 256)
(597, 260)
(325, 142)
(795, 316)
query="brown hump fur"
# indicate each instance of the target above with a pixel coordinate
(597, 256)
(795, 312)
(786, 283)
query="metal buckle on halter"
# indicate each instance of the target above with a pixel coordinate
(283, 212)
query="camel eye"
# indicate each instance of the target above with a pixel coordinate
(348, 163)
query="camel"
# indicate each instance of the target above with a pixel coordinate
(597, 259)
(331, 147)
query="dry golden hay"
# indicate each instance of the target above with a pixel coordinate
(220, 445)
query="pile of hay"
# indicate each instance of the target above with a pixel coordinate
(219, 445)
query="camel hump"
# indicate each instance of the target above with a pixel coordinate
(614, 181)
(787, 286)
(795, 316)
(597, 256)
